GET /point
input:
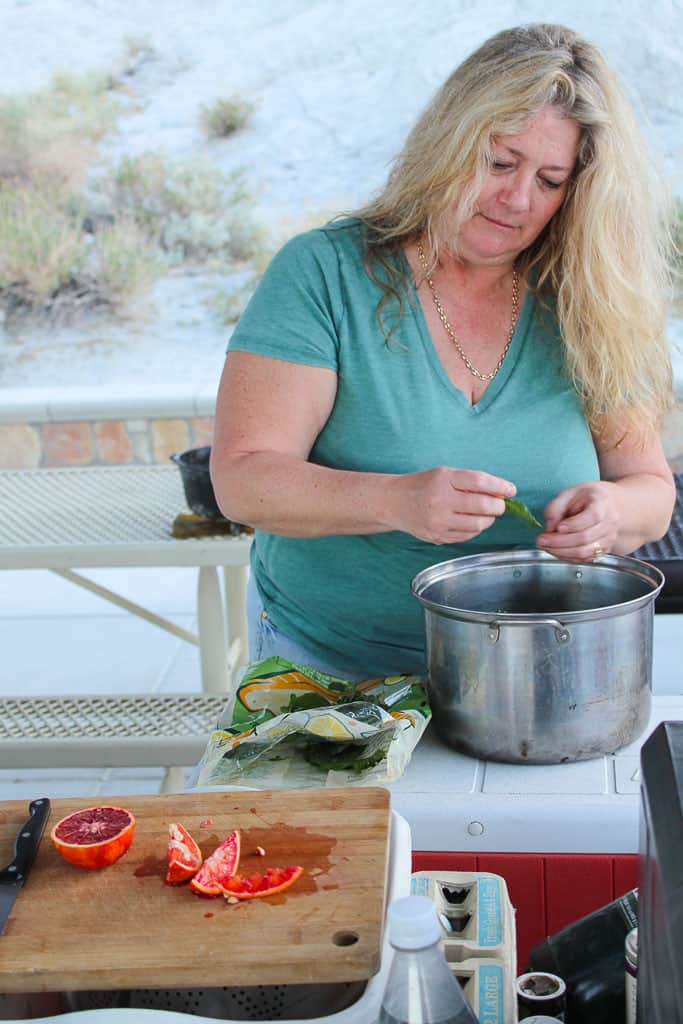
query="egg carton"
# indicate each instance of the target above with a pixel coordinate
(478, 937)
(474, 909)
(489, 987)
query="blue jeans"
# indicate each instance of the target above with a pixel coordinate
(266, 639)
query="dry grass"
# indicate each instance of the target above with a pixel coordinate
(125, 263)
(223, 117)
(52, 133)
(69, 239)
(42, 248)
(49, 264)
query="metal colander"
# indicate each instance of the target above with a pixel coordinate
(254, 1002)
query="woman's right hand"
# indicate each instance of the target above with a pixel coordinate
(448, 506)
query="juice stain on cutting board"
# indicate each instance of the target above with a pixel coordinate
(287, 844)
(152, 866)
(283, 845)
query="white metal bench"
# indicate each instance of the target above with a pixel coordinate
(103, 517)
(111, 516)
(136, 731)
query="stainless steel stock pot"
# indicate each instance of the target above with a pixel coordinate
(535, 660)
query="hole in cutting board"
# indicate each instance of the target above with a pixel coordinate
(345, 938)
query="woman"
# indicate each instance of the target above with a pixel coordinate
(491, 325)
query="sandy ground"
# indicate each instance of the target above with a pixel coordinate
(336, 87)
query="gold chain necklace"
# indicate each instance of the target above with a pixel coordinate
(449, 330)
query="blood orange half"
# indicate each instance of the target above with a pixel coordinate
(184, 856)
(218, 868)
(95, 837)
(250, 887)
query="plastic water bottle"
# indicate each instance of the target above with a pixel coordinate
(420, 988)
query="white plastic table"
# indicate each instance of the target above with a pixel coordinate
(104, 517)
(454, 802)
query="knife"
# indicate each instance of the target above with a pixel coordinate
(25, 848)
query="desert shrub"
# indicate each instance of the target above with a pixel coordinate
(49, 264)
(71, 238)
(195, 210)
(85, 100)
(53, 132)
(123, 262)
(137, 188)
(42, 247)
(224, 116)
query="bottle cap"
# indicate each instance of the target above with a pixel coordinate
(542, 1019)
(413, 923)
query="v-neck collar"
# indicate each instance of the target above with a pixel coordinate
(499, 381)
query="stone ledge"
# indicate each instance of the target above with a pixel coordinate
(81, 428)
(100, 442)
(40, 405)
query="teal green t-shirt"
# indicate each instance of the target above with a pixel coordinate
(348, 598)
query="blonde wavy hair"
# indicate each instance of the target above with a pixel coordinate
(605, 259)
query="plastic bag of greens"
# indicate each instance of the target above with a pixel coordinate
(292, 726)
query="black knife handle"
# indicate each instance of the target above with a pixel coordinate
(28, 839)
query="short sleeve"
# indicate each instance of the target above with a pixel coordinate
(296, 310)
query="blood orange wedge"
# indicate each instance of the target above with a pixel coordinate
(94, 837)
(218, 868)
(184, 856)
(250, 887)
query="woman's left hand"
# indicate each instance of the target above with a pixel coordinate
(582, 522)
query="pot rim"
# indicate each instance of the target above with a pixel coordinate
(193, 459)
(646, 572)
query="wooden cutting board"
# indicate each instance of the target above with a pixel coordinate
(123, 927)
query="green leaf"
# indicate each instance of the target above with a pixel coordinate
(520, 510)
(356, 756)
(305, 701)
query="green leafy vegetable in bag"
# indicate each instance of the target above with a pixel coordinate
(520, 510)
(357, 757)
(290, 725)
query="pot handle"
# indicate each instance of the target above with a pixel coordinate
(562, 634)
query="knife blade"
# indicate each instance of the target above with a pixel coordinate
(25, 848)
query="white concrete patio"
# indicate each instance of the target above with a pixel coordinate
(58, 639)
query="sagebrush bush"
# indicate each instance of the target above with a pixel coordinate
(225, 116)
(123, 263)
(48, 262)
(42, 247)
(53, 131)
(195, 210)
(70, 238)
